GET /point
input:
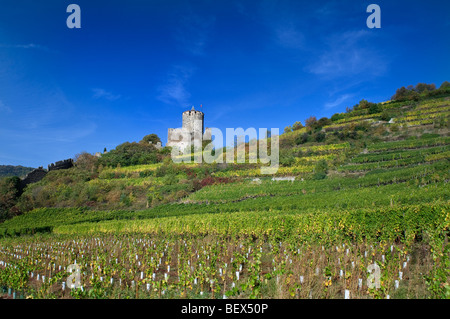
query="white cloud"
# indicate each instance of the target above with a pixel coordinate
(338, 101)
(103, 94)
(26, 47)
(174, 91)
(349, 54)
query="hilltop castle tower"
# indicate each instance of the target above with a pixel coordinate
(193, 129)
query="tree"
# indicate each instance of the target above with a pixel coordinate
(127, 154)
(310, 121)
(337, 116)
(400, 94)
(444, 85)
(405, 94)
(423, 87)
(86, 161)
(324, 121)
(411, 93)
(297, 125)
(10, 190)
(374, 108)
(150, 138)
(288, 129)
(363, 104)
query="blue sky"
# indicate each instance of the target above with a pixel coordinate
(135, 66)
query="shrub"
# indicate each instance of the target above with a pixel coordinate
(287, 160)
(337, 116)
(319, 175)
(320, 137)
(302, 139)
(385, 116)
(296, 126)
(394, 128)
(170, 179)
(321, 166)
(374, 108)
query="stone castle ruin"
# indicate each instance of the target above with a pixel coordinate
(65, 164)
(192, 131)
(33, 177)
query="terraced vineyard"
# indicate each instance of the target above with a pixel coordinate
(234, 233)
(426, 113)
(399, 154)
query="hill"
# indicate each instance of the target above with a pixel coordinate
(370, 188)
(10, 170)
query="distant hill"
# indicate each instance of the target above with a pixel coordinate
(10, 170)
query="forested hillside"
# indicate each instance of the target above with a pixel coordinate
(10, 170)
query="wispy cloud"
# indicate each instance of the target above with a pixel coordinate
(4, 108)
(174, 91)
(349, 54)
(44, 125)
(77, 131)
(338, 101)
(283, 23)
(103, 94)
(29, 46)
(289, 36)
(69, 133)
(193, 31)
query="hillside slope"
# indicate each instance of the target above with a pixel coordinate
(371, 186)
